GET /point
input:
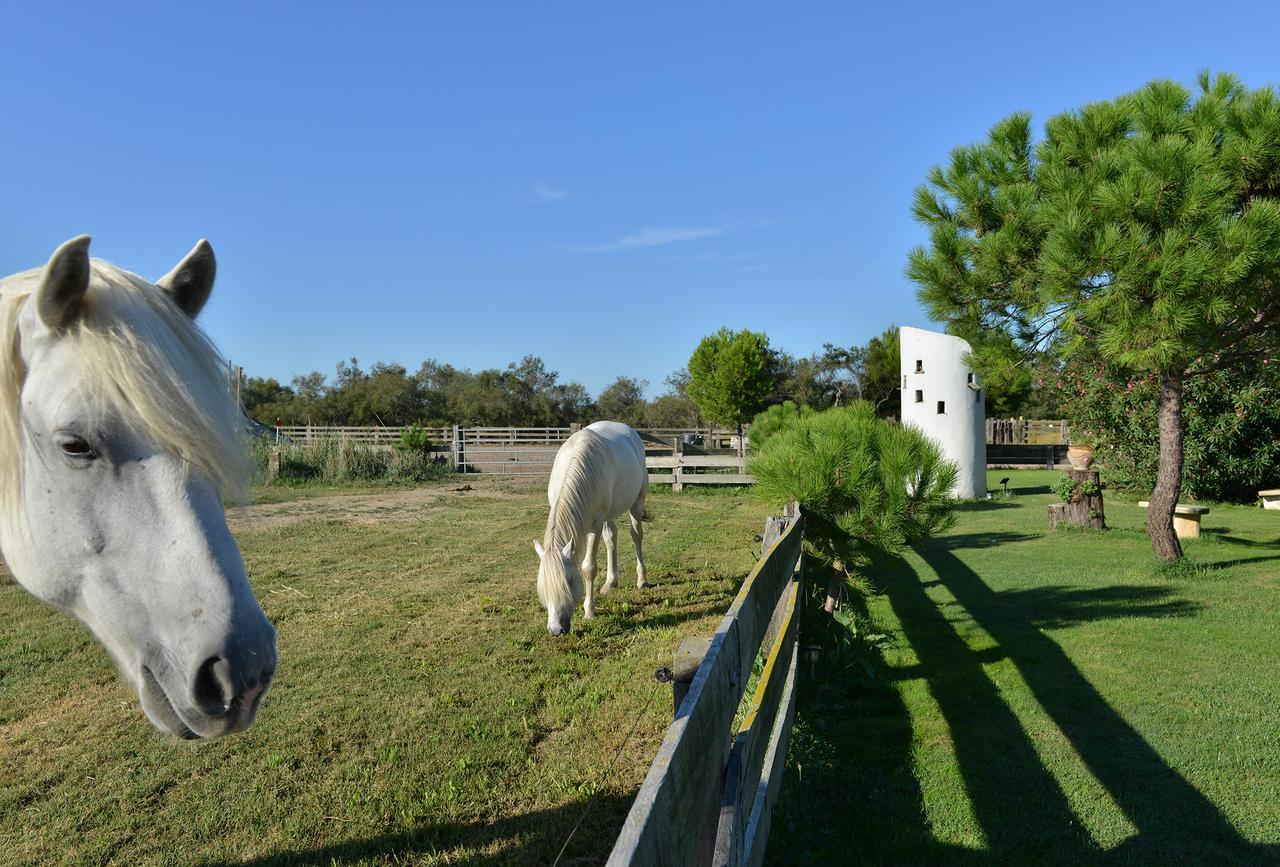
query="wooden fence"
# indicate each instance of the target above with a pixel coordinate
(713, 457)
(1027, 432)
(690, 465)
(708, 796)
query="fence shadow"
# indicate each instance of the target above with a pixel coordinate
(531, 838)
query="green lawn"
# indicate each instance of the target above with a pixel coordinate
(421, 714)
(1051, 699)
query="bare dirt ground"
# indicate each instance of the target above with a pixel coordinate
(374, 506)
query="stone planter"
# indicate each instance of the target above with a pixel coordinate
(1080, 457)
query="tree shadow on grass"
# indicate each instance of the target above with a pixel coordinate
(528, 838)
(1031, 489)
(1223, 534)
(1016, 800)
(852, 790)
(984, 505)
(977, 540)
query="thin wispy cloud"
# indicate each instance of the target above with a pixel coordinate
(658, 237)
(545, 193)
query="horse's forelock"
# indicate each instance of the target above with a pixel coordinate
(141, 356)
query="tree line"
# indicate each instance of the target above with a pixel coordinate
(528, 394)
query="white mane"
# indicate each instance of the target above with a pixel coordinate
(569, 514)
(139, 355)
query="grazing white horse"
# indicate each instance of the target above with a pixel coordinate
(117, 432)
(598, 474)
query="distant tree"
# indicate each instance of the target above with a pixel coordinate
(624, 401)
(842, 373)
(310, 387)
(1145, 228)
(672, 411)
(261, 397)
(882, 373)
(796, 379)
(730, 375)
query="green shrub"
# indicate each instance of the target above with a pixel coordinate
(414, 439)
(1230, 422)
(865, 485)
(774, 420)
(1064, 486)
(335, 462)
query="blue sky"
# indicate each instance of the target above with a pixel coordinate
(599, 184)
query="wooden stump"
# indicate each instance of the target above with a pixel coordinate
(1080, 510)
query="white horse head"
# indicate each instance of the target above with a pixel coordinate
(560, 586)
(117, 435)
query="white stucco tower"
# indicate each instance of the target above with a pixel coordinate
(941, 396)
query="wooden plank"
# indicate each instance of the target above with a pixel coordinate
(717, 479)
(692, 460)
(746, 759)
(756, 836)
(666, 823)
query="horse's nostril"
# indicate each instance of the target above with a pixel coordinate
(212, 689)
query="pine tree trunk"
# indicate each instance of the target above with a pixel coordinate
(1164, 498)
(835, 583)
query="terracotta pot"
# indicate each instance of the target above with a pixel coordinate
(1080, 457)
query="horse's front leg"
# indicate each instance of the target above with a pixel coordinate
(637, 536)
(588, 569)
(611, 556)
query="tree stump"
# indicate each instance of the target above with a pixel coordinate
(1081, 510)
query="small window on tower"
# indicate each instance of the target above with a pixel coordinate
(970, 379)
(942, 407)
(977, 395)
(919, 396)
(919, 365)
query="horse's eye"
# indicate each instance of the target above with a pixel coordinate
(77, 448)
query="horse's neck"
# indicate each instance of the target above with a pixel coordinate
(568, 517)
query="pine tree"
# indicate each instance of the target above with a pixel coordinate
(865, 485)
(731, 376)
(1145, 228)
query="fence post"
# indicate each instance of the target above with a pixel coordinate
(676, 483)
(458, 465)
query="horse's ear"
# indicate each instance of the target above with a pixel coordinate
(63, 284)
(537, 546)
(190, 283)
(567, 550)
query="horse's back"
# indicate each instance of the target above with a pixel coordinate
(620, 468)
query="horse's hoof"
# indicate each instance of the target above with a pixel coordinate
(607, 586)
(641, 584)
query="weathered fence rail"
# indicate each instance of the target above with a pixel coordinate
(1029, 432)
(679, 456)
(709, 794)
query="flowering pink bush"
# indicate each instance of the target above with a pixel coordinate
(1231, 425)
